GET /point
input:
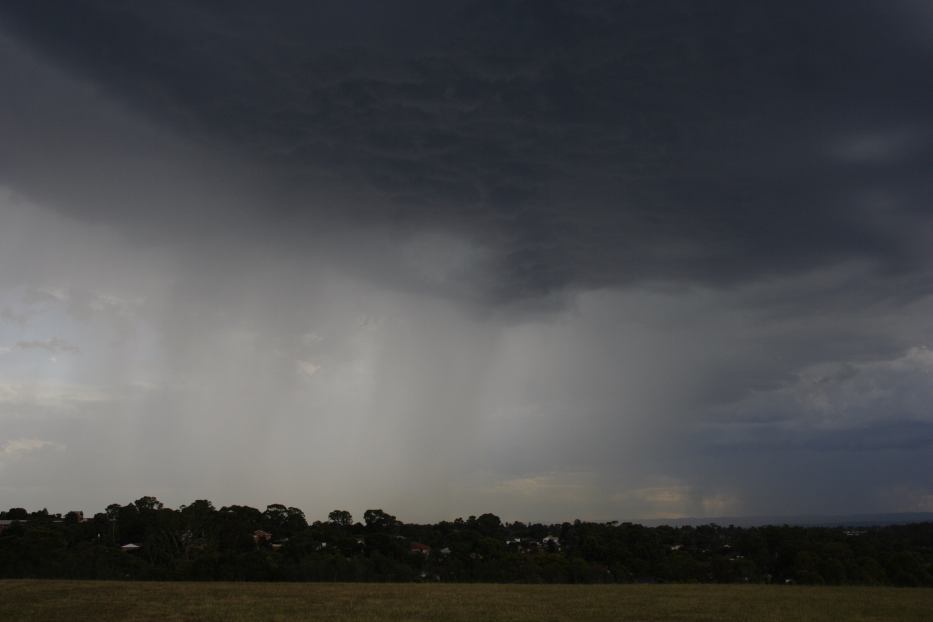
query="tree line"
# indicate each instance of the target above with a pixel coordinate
(144, 540)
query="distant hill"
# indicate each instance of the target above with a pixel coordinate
(813, 520)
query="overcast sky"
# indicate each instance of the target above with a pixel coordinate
(548, 259)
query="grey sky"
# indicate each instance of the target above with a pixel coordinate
(550, 260)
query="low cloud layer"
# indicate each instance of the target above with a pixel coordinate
(549, 261)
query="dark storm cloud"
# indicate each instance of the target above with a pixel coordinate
(613, 259)
(589, 144)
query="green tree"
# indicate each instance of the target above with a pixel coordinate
(487, 524)
(377, 520)
(198, 516)
(147, 504)
(17, 514)
(340, 518)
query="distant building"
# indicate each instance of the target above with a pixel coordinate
(261, 537)
(422, 549)
(5, 523)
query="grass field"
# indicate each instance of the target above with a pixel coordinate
(89, 600)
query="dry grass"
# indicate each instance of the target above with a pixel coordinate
(89, 600)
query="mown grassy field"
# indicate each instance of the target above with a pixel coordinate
(89, 600)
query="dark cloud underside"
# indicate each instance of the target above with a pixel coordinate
(589, 143)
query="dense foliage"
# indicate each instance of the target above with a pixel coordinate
(144, 540)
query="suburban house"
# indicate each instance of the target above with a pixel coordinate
(4, 523)
(551, 541)
(422, 549)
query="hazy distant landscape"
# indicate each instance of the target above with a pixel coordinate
(804, 520)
